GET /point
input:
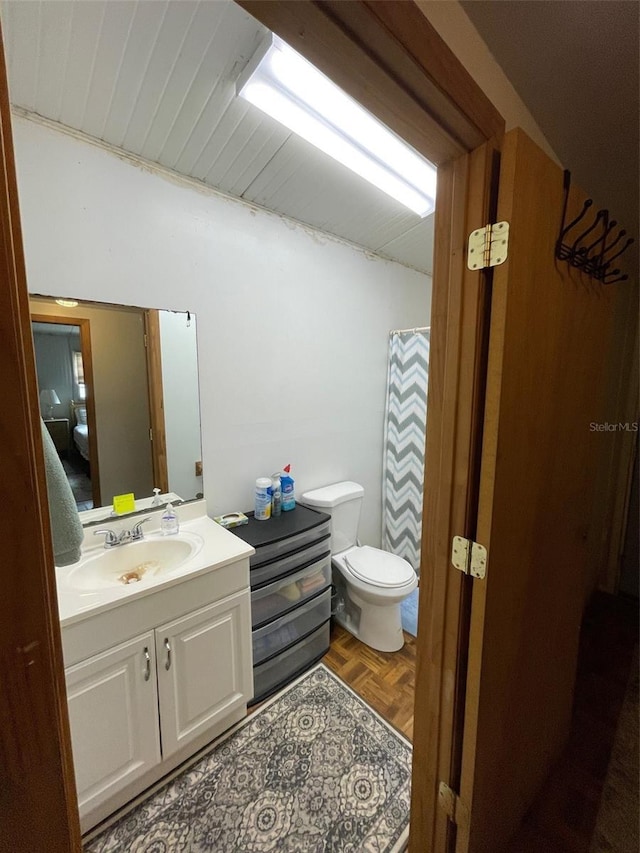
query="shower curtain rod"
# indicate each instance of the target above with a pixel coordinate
(407, 331)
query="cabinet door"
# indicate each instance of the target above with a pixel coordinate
(113, 711)
(204, 669)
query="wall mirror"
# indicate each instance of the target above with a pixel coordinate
(119, 395)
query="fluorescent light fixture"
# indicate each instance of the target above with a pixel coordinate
(67, 303)
(289, 89)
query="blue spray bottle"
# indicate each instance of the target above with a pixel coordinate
(287, 487)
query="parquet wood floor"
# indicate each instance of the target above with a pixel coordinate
(385, 681)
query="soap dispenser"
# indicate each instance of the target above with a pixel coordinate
(157, 500)
(169, 523)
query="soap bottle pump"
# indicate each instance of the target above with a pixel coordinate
(169, 523)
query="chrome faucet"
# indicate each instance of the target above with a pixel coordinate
(113, 539)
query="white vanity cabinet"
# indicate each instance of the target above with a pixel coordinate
(113, 714)
(152, 681)
(200, 670)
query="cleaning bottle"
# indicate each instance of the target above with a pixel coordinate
(262, 508)
(276, 495)
(169, 523)
(288, 492)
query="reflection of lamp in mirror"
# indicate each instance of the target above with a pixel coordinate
(49, 399)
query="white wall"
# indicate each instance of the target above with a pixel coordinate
(292, 324)
(181, 401)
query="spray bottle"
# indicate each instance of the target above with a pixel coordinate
(288, 492)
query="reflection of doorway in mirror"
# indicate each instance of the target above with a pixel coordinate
(62, 346)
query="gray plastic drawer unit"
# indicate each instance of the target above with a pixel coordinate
(281, 669)
(290, 595)
(293, 626)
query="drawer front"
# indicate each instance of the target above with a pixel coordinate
(275, 550)
(275, 569)
(287, 630)
(286, 594)
(280, 670)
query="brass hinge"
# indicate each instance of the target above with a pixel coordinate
(150, 434)
(452, 805)
(146, 340)
(488, 246)
(469, 557)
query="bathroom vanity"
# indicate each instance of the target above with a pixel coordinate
(156, 668)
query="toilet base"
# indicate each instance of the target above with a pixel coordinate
(379, 627)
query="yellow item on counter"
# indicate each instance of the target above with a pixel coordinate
(124, 503)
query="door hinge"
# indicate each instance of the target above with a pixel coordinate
(488, 246)
(452, 805)
(150, 434)
(469, 557)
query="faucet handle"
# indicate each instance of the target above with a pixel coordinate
(111, 538)
(136, 530)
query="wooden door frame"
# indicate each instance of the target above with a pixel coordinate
(38, 807)
(153, 352)
(390, 58)
(87, 361)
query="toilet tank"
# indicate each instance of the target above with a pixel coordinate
(343, 502)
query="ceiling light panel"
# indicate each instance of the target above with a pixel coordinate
(288, 88)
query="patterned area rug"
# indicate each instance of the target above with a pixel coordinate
(314, 769)
(617, 824)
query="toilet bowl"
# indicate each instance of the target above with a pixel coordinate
(372, 612)
(370, 583)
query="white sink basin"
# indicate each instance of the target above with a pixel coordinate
(134, 564)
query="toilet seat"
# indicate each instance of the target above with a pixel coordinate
(379, 568)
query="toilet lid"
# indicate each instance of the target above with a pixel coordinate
(379, 567)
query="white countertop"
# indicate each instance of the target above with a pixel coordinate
(219, 548)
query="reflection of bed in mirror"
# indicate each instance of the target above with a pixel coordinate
(80, 430)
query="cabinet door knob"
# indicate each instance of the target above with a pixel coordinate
(167, 646)
(147, 665)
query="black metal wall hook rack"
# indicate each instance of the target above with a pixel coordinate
(594, 258)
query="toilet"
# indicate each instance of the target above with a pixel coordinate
(370, 583)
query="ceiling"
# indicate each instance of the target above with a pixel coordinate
(157, 79)
(575, 64)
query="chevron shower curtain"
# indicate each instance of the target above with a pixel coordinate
(404, 441)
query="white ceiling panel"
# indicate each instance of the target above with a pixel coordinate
(189, 84)
(157, 79)
(295, 182)
(414, 246)
(102, 73)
